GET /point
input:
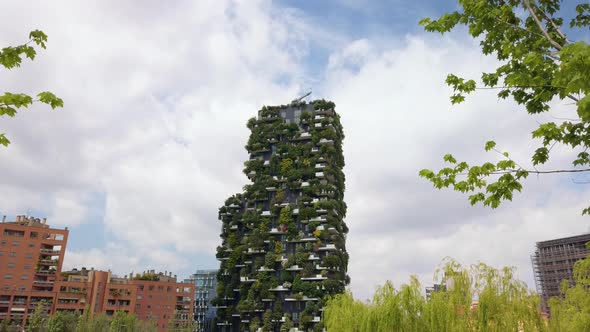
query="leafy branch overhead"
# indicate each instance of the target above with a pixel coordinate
(11, 57)
(539, 65)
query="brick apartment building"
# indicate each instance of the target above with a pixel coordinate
(31, 258)
(150, 295)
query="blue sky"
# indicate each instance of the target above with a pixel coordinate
(150, 141)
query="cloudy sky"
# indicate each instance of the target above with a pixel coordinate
(157, 94)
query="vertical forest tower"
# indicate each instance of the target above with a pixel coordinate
(283, 239)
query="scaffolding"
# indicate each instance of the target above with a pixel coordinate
(553, 262)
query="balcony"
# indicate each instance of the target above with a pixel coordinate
(266, 214)
(247, 279)
(45, 272)
(275, 231)
(315, 150)
(301, 299)
(271, 189)
(317, 277)
(294, 268)
(255, 251)
(304, 184)
(50, 252)
(328, 247)
(48, 262)
(318, 219)
(279, 288)
(316, 319)
(313, 257)
(326, 141)
(318, 117)
(43, 283)
(319, 175)
(265, 269)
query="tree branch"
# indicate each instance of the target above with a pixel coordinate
(540, 25)
(510, 171)
(553, 24)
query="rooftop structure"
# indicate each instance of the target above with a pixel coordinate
(283, 239)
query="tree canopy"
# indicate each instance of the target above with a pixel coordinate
(477, 298)
(539, 65)
(11, 57)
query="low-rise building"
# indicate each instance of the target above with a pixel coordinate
(31, 259)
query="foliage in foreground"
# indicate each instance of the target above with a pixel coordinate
(11, 57)
(539, 67)
(504, 304)
(71, 322)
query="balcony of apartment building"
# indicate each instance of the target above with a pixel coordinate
(119, 293)
(118, 304)
(43, 284)
(48, 261)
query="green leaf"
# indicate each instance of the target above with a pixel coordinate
(490, 145)
(50, 99)
(450, 159)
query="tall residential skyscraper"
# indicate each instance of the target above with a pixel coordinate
(283, 238)
(553, 262)
(205, 290)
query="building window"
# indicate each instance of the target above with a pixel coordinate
(15, 243)
(3, 242)
(8, 276)
(139, 297)
(34, 235)
(10, 265)
(24, 277)
(12, 254)
(27, 266)
(29, 255)
(1, 253)
(22, 288)
(31, 245)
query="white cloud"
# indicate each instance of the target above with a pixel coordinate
(398, 119)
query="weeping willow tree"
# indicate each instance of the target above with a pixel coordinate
(476, 298)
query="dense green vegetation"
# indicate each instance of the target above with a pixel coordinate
(478, 298)
(72, 322)
(11, 57)
(283, 238)
(540, 67)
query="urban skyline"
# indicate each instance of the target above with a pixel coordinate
(160, 145)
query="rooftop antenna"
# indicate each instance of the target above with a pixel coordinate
(300, 98)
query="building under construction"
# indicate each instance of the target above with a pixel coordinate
(553, 262)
